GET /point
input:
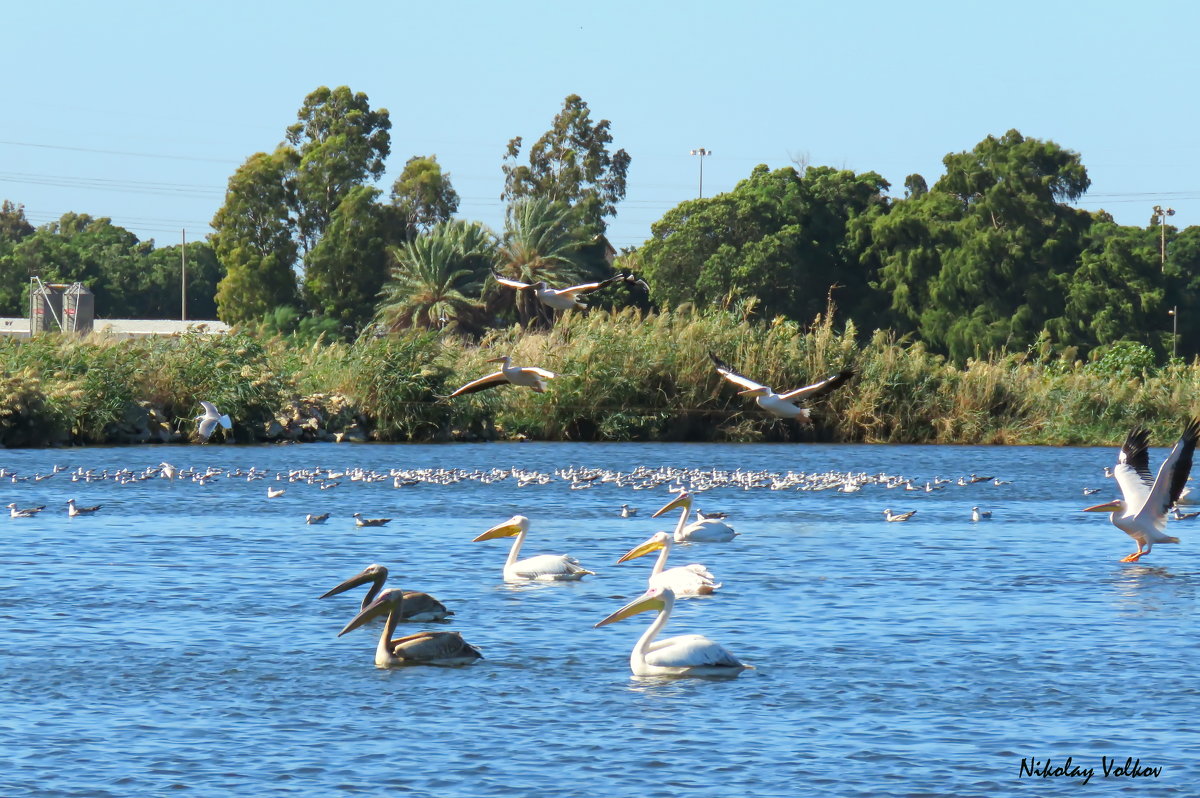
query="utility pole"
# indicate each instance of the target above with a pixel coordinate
(1174, 314)
(701, 152)
(183, 279)
(1162, 214)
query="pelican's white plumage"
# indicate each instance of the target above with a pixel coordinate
(540, 568)
(525, 376)
(210, 419)
(782, 405)
(683, 655)
(422, 648)
(557, 298)
(1141, 512)
(704, 530)
(684, 580)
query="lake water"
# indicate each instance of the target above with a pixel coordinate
(174, 644)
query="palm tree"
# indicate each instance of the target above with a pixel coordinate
(541, 242)
(437, 278)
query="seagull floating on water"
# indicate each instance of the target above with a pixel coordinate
(890, 516)
(26, 512)
(74, 510)
(980, 515)
(360, 521)
(627, 511)
(316, 519)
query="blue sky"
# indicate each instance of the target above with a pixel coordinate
(141, 111)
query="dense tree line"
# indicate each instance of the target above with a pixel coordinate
(992, 257)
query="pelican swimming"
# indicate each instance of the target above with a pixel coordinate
(540, 568)
(706, 530)
(209, 420)
(423, 648)
(783, 405)
(1141, 513)
(557, 298)
(74, 510)
(417, 606)
(525, 376)
(683, 655)
(684, 580)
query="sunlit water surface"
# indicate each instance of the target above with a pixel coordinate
(174, 642)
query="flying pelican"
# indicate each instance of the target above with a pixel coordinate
(417, 607)
(423, 648)
(27, 512)
(684, 580)
(360, 521)
(782, 405)
(209, 420)
(1141, 513)
(557, 298)
(73, 510)
(707, 530)
(980, 515)
(684, 655)
(540, 568)
(525, 376)
(629, 279)
(890, 516)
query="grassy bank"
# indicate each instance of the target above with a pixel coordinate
(623, 376)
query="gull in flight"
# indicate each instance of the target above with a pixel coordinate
(210, 419)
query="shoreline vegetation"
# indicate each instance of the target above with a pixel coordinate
(623, 376)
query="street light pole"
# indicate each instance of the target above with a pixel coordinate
(1174, 314)
(701, 152)
(1162, 214)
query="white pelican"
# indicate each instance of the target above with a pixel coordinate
(684, 580)
(557, 298)
(525, 376)
(540, 568)
(706, 530)
(683, 655)
(782, 405)
(360, 521)
(26, 512)
(980, 515)
(74, 510)
(890, 516)
(209, 420)
(423, 648)
(1141, 513)
(417, 607)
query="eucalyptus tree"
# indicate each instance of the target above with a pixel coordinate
(424, 195)
(541, 243)
(570, 164)
(437, 278)
(255, 239)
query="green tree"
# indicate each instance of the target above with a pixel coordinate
(571, 164)
(540, 244)
(346, 269)
(437, 278)
(424, 196)
(254, 239)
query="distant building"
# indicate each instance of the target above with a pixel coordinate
(128, 328)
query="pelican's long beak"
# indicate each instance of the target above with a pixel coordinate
(753, 392)
(653, 544)
(380, 606)
(500, 359)
(368, 575)
(646, 601)
(679, 501)
(512, 526)
(1107, 507)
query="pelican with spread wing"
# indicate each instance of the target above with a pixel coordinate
(525, 376)
(557, 298)
(1141, 512)
(783, 405)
